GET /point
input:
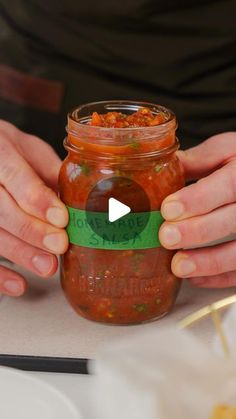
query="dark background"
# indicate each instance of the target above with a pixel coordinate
(181, 54)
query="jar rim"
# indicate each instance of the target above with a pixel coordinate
(76, 122)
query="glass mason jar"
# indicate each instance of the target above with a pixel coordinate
(122, 278)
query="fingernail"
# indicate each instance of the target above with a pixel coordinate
(13, 287)
(185, 267)
(172, 210)
(170, 235)
(55, 242)
(57, 216)
(43, 263)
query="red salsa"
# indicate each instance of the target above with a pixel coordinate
(142, 118)
(130, 285)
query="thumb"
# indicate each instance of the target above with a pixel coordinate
(208, 156)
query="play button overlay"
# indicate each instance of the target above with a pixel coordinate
(117, 216)
(117, 210)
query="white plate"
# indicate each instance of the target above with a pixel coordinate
(24, 397)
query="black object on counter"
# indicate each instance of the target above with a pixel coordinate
(45, 363)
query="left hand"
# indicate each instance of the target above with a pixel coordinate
(204, 212)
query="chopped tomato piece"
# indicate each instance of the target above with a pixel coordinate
(142, 118)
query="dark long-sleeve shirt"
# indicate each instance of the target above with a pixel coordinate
(55, 55)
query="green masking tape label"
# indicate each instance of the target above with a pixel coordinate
(133, 231)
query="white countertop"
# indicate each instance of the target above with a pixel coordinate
(42, 323)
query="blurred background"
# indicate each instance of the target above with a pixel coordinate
(57, 55)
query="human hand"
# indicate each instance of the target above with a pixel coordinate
(32, 217)
(204, 212)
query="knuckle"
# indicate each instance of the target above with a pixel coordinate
(2, 196)
(232, 180)
(7, 129)
(192, 195)
(227, 223)
(4, 146)
(13, 250)
(230, 136)
(26, 230)
(19, 252)
(200, 186)
(8, 171)
(40, 142)
(202, 231)
(5, 124)
(228, 279)
(215, 266)
(232, 220)
(194, 232)
(33, 196)
(232, 252)
(4, 209)
(43, 145)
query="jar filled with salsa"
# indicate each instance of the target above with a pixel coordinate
(121, 164)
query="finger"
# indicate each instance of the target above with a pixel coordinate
(200, 230)
(205, 262)
(37, 152)
(41, 263)
(228, 279)
(201, 160)
(207, 194)
(29, 191)
(30, 229)
(11, 283)
(47, 167)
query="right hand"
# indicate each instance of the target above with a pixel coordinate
(32, 218)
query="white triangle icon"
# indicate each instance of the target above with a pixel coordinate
(116, 209)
